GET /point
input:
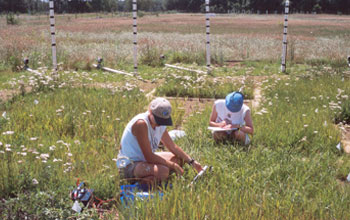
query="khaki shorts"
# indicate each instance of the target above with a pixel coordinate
(128, 171)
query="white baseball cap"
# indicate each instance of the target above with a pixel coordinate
(161, 110)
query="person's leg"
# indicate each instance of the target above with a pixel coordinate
(170, 156)
(151, 173)
(239, 136)
(219, 135)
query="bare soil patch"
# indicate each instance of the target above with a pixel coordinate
(7, 94)
(345, 141)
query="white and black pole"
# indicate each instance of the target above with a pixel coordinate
(134, 15)
(53, 33)
(284, 48)
(207, 25)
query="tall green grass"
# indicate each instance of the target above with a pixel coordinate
(291, 170)
(58, 136)
(190, 84)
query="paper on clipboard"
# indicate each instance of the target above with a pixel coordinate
(221, 129)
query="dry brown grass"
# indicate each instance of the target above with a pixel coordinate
(247, 37)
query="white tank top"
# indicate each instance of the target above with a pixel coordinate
(231, 117)
(130, 148)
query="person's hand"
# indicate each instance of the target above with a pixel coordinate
(197, 166)
(178, 169)
(230, 126)
(222, 124)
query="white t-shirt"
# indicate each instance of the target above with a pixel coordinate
(231, 117)
(130, 148)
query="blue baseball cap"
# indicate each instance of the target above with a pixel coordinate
(234, 101)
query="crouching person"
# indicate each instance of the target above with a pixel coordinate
(231, 114)
(137, 158)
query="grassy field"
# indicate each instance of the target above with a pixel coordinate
(181, 38)
(58, 129)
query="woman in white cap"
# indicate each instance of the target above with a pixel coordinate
(234, 117)
(137, 158)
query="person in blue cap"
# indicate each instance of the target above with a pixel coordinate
(234, 117)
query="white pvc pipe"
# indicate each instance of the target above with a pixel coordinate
(207, 25)
(284, 44)
(53, 33)
(184, 68)
(134, 15)
(114, 71)
(33, 71)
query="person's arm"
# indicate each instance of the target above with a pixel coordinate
(140, 130)
(213, 116)
(177, 151)
(248, 128)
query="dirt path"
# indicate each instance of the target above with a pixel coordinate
(257, 95)
(7, 94)
(345, 140)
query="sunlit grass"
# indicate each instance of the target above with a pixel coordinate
(71, 127)
(186, 84)
(180, 38)
(290, 170)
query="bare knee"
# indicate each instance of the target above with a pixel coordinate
(238, 135)
(219, 136)
(161, 172)
(157, 172)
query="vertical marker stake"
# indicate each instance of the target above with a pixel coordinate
(207, 25)
(134, 15)
(284, 48)
(53, 37)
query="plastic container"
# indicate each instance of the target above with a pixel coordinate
(138, 192)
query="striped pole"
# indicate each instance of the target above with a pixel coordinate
(207, 25)
(53, 37)
(134, 14)
(284, 49)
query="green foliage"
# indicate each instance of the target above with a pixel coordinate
(37, 205)
(15, 62)
(151, 56)
(344, 115)
(59, 135)
(217, 6)
(178, 84)
(62, 123)
(11, 19)
(187, 57)
(140, 13)
(287, 172)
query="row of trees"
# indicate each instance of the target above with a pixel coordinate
(219, 6)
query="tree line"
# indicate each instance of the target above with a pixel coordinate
(217, 6)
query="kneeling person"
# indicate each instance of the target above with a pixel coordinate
(137, 157)
(230, 113)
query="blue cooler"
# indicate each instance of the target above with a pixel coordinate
(140, 192)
